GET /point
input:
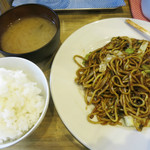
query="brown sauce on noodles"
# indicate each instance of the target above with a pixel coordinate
(116, 80)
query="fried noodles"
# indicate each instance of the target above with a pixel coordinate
(116, 80)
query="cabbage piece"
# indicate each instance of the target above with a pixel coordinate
(143, 47)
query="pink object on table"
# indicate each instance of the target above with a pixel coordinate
(136, 10)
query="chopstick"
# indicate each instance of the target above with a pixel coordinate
(4, 6)
(138, 27)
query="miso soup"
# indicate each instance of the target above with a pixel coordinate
(27, 34)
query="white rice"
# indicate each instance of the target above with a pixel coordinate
(20, 104)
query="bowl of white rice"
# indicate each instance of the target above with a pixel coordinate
(24, 99)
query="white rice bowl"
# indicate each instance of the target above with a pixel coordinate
(17, 120)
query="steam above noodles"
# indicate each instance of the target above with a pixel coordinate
(116, 81)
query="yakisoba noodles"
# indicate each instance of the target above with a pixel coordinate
(116, 80)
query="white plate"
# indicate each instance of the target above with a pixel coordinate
(69, 100)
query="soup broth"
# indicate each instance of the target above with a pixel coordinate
(27, 34)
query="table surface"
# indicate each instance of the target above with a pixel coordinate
(52, 133)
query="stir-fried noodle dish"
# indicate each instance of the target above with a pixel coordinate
(116, 81)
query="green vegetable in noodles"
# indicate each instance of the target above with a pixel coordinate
(129, 50)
